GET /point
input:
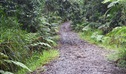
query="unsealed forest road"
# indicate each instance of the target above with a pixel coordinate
(80, 57)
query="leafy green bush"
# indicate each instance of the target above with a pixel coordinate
(19, 19)
(118, 36)
(27, 12)
(97, 37)
(116, 13)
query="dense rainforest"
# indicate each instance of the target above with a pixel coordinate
(29, 28)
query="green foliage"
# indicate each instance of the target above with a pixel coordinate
(38, 60)
(18, 64)
(5, 72)
(5, 62)
(24, 30)
(29, 37)
(28, 26)
(116, 39)
(15, 42)
(97, 37)
(104, 15)
(26, 11)
(118, 36)
(67, 9)
(116, 13)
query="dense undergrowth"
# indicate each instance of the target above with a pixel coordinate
(30, 26)
(25, 30)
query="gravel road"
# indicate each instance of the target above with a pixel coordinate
(79, 57)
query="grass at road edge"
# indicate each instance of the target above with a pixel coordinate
(38, 60)
(88, 38)
(113, 56)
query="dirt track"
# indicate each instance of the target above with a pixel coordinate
(80, 57)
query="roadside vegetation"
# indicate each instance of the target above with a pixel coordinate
(105, 26)
(38, 60)
(29, 28)
(27, 34)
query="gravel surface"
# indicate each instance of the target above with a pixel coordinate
(79, 57)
